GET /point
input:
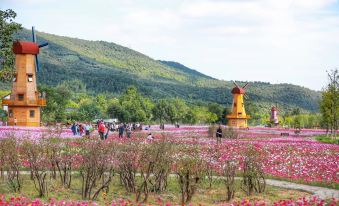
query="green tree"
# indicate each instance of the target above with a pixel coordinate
(176, 110)
(161, 111)
(296, 111)
(216, 109)
(89, 112)
(57, 99)
(114, 109)
(7, 28)
(329, 106)
(135, 107)
(191, 117)
(75, 86)
(200, 114)
(3, 115)
(102, 103)
(225, 112)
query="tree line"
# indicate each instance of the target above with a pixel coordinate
(70, 102)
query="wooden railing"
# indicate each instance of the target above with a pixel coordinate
(26, 102)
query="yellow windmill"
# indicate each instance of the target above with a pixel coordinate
(238, 117)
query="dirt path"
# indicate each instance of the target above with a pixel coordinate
(321, 192)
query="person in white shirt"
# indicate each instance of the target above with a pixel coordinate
(87, 129)
(150, 137)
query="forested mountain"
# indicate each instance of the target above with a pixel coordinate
(183, 68)
(110, 68)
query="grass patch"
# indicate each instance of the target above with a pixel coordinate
(204, 195)
(328, 139)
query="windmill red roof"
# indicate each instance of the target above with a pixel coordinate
(238, 90)
(23, 47)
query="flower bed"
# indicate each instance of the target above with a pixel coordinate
(295, 158)
(23, 201)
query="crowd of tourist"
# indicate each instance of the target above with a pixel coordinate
(105, 128)
(81, 129)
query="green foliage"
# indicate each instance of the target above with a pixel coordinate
(218, 110)
(57, 99)
(135, 107)
(7, 28)
(89, 111)
(75, 86)
(115, 110)
(200, 115)
(329, 106)
(3, 113)
(183, 68)
(327, 139)
(162, 110)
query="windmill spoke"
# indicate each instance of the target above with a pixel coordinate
(236, 84)
(33, 34)
(245, 85)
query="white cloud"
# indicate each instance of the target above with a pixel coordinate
(291, 41)
(227, 30)
(312, 4)
(152, 19)
(220, 8)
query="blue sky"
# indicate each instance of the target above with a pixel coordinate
(277, 41)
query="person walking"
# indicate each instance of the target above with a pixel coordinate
(121, 131)
(101, 130)
(107, 131)
(73, 128)
(77, 130)
(219, 134)
(129, 131)
(87, 129)
(81, 129)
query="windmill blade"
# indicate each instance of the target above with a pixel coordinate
(36, 56)
(246, 96)
(245, 85)
(37, 68)
(33, 35)
(43, 45)
(236, 84)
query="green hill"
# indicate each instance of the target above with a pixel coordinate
(183, 68)
(110, 68)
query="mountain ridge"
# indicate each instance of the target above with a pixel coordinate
(108, 67)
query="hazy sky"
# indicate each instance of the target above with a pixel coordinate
(277, 41)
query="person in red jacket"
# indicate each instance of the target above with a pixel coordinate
(101, 130)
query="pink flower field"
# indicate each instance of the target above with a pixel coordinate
(34, 132)
(23, 201)
(296, 157)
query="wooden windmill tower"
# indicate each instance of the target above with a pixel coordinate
(25, 101)
(238, 117)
